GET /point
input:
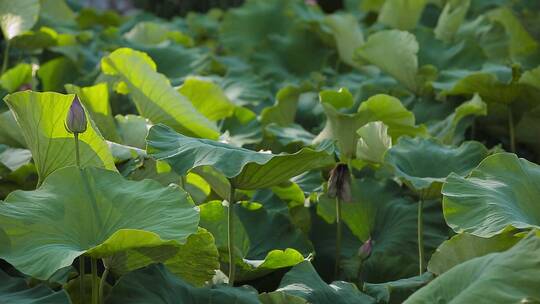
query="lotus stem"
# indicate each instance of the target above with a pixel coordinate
(338, 236)
(77, 153)
(102, 284)
(511, 131)
(81, 258)
(421, 236)
(95, 282)
(6, 57)
(230, 236)
(81, 278)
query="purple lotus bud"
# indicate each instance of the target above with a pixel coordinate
(76, 118)
(365, 250)
(339, 183)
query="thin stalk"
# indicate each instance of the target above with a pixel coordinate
(102, 284)
(6, 57)
(81, 278)
(77, 153)
(511, 131)
(421, 236)
(230, 236)
(81, 258)
(338, 236)
(95, 282)
(183, 182)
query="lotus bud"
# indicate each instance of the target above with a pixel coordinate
(365, 250)
(339, 183)
(76, 118)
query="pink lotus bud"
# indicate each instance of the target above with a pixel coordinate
(365, 250)
(76, 118)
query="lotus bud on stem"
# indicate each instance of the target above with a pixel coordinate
(339, 187)
(363, 254)
(76, 123)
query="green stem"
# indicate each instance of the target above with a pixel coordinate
(338, 237)
(421, 236)
(183, 182)
(102, 284)
(230, 236)
(95, 282)
(511, 131)
(6, 57)
(77, 154)
(81, 278)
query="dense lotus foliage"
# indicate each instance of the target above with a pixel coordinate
(271, 153)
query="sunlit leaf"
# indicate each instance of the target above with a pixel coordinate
(41, 117)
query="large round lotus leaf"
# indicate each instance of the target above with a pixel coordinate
(425, 163)
(304, 282)
(16, 290)
(512, 276)
(502, 191)
(90, 211)
(463, 247)
(154, 284)
(248, 169)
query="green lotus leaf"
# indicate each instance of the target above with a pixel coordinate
(16, 290)
(279, 297)
(521, 42)
(15, 77)
(147, 32)
(56, 73)
(155, 284)
(501, 192)
(451, 18)
(56, 12)
(283, 111)
(463, 247)
(265, 238)
(452, 129)
(304, 282)
(374, 141)
(463, 53)
(153, 94)
(89, 17)
(380, 211)
(484, 83)
(424, 164)
(247, 169)
(173, 60)
(133, 130)
(92, 212)
(45, 37)
(10, 132)
(395, 53)
(207, 97)
(41, 117)
(17, 17)
(348, 36)
(14, 158)
(245, 28)
(298, 55)
(401, 14)
(195, 261)
(511, 276)
(397, 291)
(343, 127)
(291, 135)
(96, 100)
